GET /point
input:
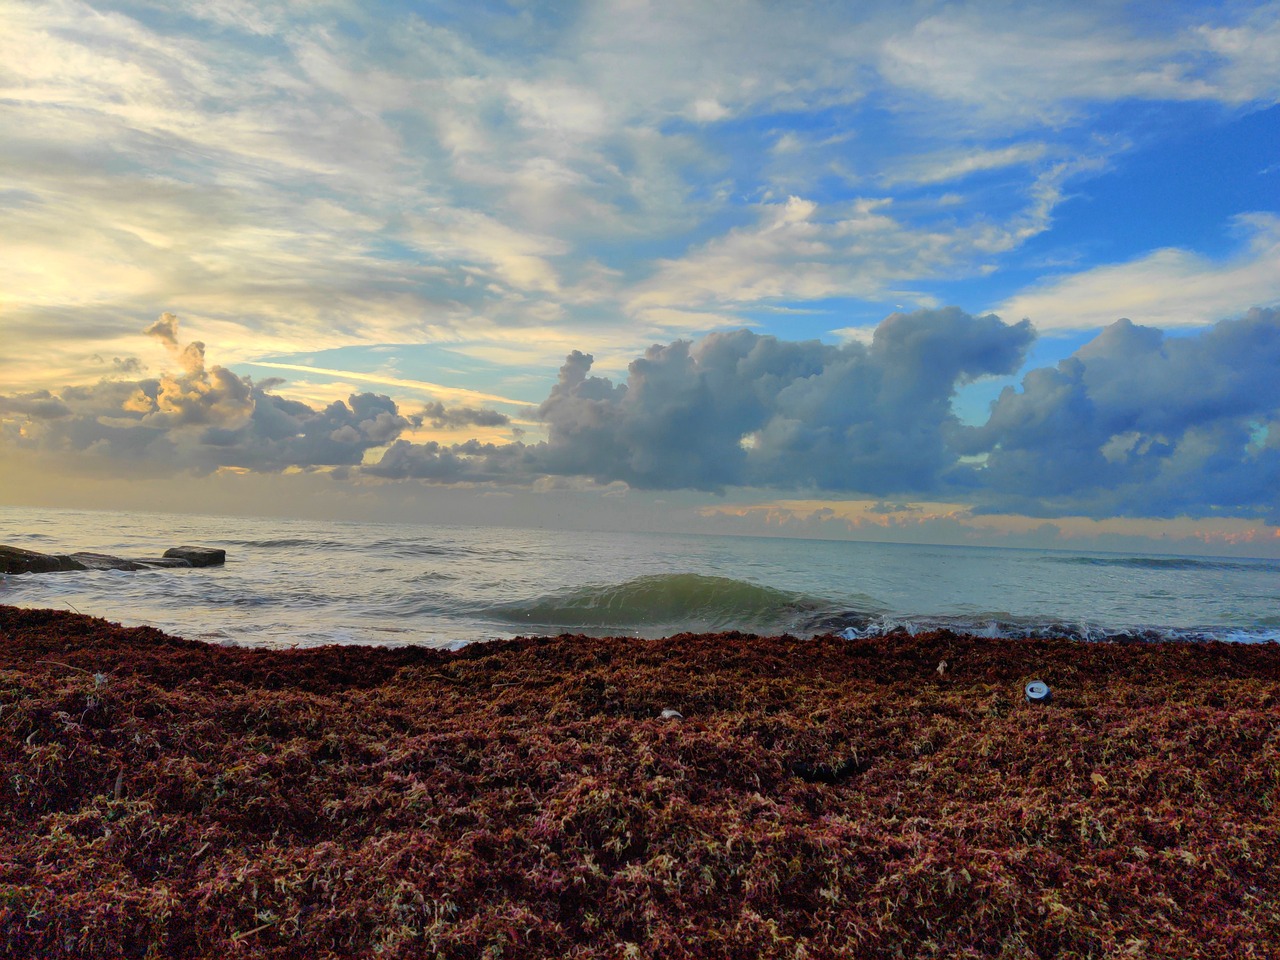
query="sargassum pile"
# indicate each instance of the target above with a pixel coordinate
(820, 798)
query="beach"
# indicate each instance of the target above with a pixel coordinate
(882, 796)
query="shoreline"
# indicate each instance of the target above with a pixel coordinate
(525, 796)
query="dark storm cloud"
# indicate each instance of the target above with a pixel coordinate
(1142, 424)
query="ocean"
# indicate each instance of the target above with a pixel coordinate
(298, 583)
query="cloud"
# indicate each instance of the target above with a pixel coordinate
(1035, 63)
(190, 356)
(438, 415)
(417, 386)
(956, 523)
(742, 409)
(322, 174)
(201, 419)
(732, 409)
(469, 462)
(1168, 288)
(38, 405)
(1137, 423)
(948, 167)
(798, 249)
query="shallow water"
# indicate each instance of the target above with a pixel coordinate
(305, 582)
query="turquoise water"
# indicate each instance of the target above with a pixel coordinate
(302, 582)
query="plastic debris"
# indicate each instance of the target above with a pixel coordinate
(670, 714)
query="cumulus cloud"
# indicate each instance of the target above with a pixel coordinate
(199, 419)
(743, 409)
(1138, 423)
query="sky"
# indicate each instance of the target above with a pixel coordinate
(1000, 273)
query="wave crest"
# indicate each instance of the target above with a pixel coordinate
(687, 601)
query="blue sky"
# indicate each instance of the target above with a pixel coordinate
(438, 203)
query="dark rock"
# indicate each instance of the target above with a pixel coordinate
(197, 556)
(102, 561)
(17, 560)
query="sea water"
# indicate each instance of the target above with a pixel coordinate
(293, 583)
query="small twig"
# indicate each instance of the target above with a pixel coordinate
(59, 663)
(119, 789)
(237, 937)
(444, 676)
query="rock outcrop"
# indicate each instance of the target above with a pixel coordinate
(197, 556)
(18, 560)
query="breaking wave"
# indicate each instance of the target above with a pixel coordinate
(669, 603)
(685, 601)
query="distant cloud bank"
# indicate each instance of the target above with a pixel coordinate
(1135, 423)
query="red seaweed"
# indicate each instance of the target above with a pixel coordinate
(820, 798)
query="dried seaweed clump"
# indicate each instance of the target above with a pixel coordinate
(526, 799)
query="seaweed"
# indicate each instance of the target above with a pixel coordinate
(817, 798)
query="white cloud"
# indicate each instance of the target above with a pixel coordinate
(1168, 288)
(598, 178)
(1249, 68)
(1038, 64)
(799, 250)
(943, 168)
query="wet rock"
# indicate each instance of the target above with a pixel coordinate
(103, 561)
(197, 556)
(17, 560)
